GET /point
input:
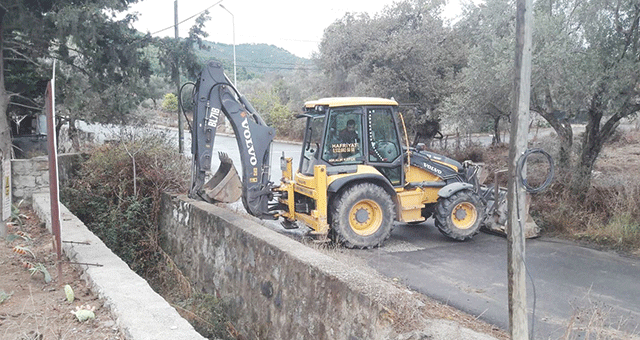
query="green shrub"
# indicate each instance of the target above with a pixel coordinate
(170, 102)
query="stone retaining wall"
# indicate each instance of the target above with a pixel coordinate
(31, 175)
(279, 288)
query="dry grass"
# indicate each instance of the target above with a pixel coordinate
(597, 321)
(610, 215)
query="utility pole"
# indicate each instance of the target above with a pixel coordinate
(5, 173)
(233, 27)
(516, 195)
(176, 75)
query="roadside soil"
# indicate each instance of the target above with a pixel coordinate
(30, 308)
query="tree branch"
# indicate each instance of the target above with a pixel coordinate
(25, 57)
(27, 106)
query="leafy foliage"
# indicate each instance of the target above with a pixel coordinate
(170, 102)
(583, 56)
(271, 102)
(406, 53)
(96, 51)
(485, 95)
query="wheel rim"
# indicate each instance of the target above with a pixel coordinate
(464, 215)
(365, 217)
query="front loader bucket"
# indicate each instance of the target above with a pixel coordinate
(225, 185)
(497, 215)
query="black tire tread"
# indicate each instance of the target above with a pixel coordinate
(341, 230)
(443, 212)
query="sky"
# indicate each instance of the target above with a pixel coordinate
(295, 25)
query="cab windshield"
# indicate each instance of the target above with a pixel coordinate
(343, 137)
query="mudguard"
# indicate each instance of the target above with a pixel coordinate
(452, 188)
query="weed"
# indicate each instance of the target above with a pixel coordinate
(18, 235)
(22, 250)
(16, 216)
(4, 296)
(207, 315)
(596, 320)
(40, 268)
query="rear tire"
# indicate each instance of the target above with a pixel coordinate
(362, 216)
(460, 215)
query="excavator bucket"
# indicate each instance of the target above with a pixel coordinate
(497, 214)
(225, 185)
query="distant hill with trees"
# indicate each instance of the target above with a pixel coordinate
(253, 60)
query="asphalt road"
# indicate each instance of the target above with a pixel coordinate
(569, 279)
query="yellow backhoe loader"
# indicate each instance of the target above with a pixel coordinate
(355, 177)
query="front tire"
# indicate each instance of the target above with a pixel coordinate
(362, 216)
(460, 215)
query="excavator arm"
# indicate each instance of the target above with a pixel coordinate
(214, 94)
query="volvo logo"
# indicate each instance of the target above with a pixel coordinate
(433, 168)
(249, 142)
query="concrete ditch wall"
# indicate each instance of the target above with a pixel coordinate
(140, 312)
(278, 288)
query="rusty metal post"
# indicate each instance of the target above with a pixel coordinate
(54, 195)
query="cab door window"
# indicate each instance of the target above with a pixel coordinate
(384, 145)
(312, 142)
(384, 149)
(343, 139)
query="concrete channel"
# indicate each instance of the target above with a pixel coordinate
(276, 287)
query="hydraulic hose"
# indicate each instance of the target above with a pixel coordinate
(180, 105)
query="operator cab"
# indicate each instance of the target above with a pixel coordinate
(347, 132)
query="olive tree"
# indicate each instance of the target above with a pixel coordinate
(486, 84)
(586, 63)
(405, 52)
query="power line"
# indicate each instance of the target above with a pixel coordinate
(187, 19)
(281, 67)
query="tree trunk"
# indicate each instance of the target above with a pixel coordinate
(592, 143)
(563, 128)
(594, 140)
(74, 136)
(496, 131)
(560, 124)
(5, 132)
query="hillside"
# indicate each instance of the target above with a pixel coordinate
(254, 60)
